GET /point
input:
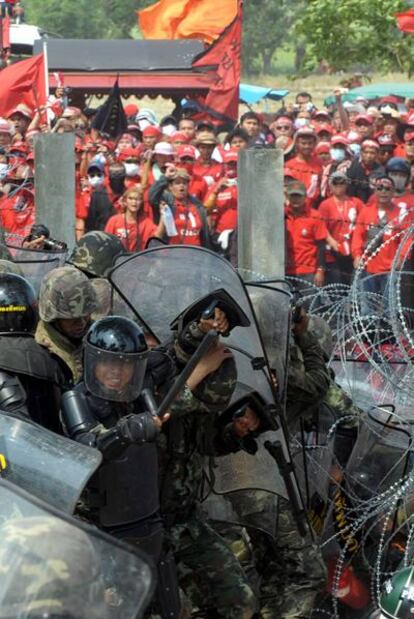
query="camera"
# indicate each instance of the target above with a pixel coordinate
(39, 230)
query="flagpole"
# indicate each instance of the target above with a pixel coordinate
(47, 89)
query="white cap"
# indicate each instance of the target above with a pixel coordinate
(163, 148)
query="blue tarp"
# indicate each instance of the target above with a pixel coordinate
(252, 94)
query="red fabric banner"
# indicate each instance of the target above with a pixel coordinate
(405, 21)
(23, 82)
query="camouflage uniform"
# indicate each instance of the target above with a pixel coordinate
(48, 567)
(95, 253)
(207, 569)
(65, 293)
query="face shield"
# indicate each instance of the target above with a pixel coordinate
(114, 376)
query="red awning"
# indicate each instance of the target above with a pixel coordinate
(138, 83)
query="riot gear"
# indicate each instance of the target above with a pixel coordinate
(18, 305)
(66, 293)
(115, 359)
(95, 253)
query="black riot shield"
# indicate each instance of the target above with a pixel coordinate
(50, 467)
(35, 264)
(53, 566)
(159, 284)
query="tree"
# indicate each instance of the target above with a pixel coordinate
(267, 26)
(355, 32)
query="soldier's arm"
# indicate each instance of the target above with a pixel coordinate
(310, 383)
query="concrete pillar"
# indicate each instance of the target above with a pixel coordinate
(55, 184)
(261, 230)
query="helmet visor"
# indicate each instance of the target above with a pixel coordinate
(114, 376)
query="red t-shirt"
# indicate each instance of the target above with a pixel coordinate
(134, 236)
(188, 224)
(224, 214)
(302, 234)
(368, 218)
(16, 222)
(308, 172)
(211, 172)
(340, 218)
(198, 188)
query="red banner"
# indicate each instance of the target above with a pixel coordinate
(23, 82)
(405, 21)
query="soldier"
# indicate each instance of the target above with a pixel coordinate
(29, 377)
(95, 253)
(66, 302)
(207, 569)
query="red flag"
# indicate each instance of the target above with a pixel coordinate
(223, 96)
(405, 21)
(23, 82)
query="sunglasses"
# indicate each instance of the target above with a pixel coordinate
(337, 181)
(280, 127)
(384, 188)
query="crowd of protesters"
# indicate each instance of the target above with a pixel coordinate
(347, 178)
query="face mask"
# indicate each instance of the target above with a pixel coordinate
(356, 149)
(95, 181)
(4, 168)
(337, 154)
(399, 181)
(131, 169)
(301, 122)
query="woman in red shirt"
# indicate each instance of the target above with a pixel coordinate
(132, 225)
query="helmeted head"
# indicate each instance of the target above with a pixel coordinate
(399, 170)
(95, 253)
(18, 305)
(397, 599)
(66, 294)
(50, 570)
(115, 359)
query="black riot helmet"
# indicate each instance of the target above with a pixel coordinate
(115, 359)
(18, 305)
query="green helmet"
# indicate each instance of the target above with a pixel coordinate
(66, 293)
(7, 266)
(322, 331)
(397, 599)
(51, 569)
(95, 253)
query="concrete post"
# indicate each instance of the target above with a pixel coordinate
(261, 229)
(55, 184)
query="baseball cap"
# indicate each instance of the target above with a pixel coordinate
(129, 153)
(305, 132)
(151, 130)
(296, 187)
(339, 139)
(186, 150)
(369, 144)
(338, 176)
(322, 147)
(179, 136)
(23, 110)
(5, 126)
(96, 164)
(364, 118)
(230, 156)
(163, 148)
(324, 127)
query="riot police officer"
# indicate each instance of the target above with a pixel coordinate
(66, 302)
(29, 377)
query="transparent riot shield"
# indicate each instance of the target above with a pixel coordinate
(51, 467)
(54, 566)
(159, 284)
(35, 264)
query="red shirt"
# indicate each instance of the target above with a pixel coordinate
(188, 223)
(308, 172)
(340, 218)
(224, 214)
(198, 188)
(368, 219)
(302, 234)
(210, 172)
(16, 222)
(134, 236)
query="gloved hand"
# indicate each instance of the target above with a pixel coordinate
(142, 428)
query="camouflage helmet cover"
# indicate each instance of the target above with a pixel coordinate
(7, 266)
(66, 293)
(95, 253)
(50, 569)
(397, 599)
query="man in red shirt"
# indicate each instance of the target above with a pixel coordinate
(17, 214)
(381, 220)
(304, 166)
(185, 159)
(339, 213)
(305, 237)
(206, 166)
(222, 200)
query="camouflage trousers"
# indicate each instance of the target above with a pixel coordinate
(208, 571)
(291, 567)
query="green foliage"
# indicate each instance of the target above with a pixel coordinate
(267, 27)
(355, 32)
(103, 19)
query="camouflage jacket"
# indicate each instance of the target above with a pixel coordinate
(62, 348)
(194, 432)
